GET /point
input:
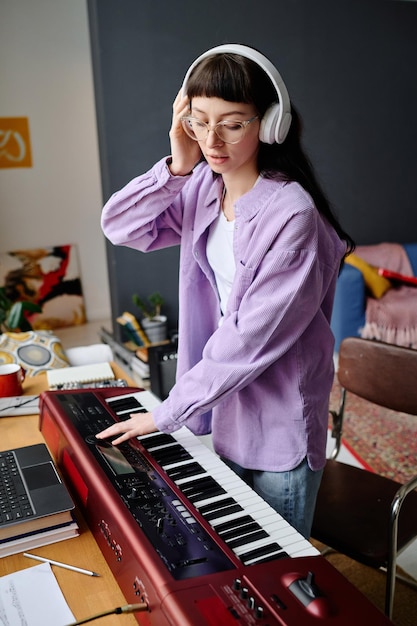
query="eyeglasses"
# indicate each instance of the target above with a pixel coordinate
(228, 131)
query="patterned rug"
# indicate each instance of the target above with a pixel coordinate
(384, 439)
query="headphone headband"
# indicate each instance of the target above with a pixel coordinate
(277, 120)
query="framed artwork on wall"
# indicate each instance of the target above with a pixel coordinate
(49, 277)
(15, 147)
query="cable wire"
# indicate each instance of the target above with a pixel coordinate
(128, 608)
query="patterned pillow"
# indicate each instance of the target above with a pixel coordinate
(35, 351)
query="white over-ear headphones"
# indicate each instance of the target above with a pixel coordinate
(276, 122)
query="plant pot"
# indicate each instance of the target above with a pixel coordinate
(155, 328)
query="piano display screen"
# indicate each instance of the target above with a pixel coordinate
(115, 459)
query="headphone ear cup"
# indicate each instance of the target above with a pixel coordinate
(268, 130)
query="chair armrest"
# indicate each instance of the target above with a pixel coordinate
(400, 496)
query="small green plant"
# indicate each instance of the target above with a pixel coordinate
(12, 314)
(152, 307)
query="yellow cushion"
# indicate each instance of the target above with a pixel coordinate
(377, 285)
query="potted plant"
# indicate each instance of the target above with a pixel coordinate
(153, 323)
(12, 314)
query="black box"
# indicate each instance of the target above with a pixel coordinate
(162, 368)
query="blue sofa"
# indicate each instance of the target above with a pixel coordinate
(350, 299)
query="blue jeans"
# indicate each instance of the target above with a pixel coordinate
(292, 494)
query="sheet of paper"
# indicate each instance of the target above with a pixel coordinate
(32, 597)
(19, 405)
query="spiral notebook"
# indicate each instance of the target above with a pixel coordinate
(79, 374)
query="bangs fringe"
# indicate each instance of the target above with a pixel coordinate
(221, 76)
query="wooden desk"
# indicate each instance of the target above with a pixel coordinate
(85, 595)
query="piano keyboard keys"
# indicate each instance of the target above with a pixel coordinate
(247, 524)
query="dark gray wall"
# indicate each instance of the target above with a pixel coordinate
(350, 68)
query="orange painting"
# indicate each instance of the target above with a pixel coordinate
(15, 150)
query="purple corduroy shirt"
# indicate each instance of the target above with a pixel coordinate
(260, 381)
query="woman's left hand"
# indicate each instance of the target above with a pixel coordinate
(137, 424)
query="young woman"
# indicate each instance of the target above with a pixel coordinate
(260, 254)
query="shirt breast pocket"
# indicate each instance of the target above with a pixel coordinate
(243, 280)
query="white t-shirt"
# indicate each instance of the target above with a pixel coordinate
(220, 256)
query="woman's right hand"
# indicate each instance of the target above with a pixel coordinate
(185, 152)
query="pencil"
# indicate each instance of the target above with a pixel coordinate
(58, 564)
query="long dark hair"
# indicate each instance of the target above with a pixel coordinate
(235, 78)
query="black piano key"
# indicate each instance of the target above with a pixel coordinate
(207, 493)
(227, 510)
(124, 404)
(264, 553)
(201, 489)
(273, 557)
(199, 483)
(170, 454)
(233, 523)
(183, 471)
(247, 538)
(159, 439)
(123, 417)
(213, 507)
(245, 529)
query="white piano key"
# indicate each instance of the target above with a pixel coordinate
(306, 549)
